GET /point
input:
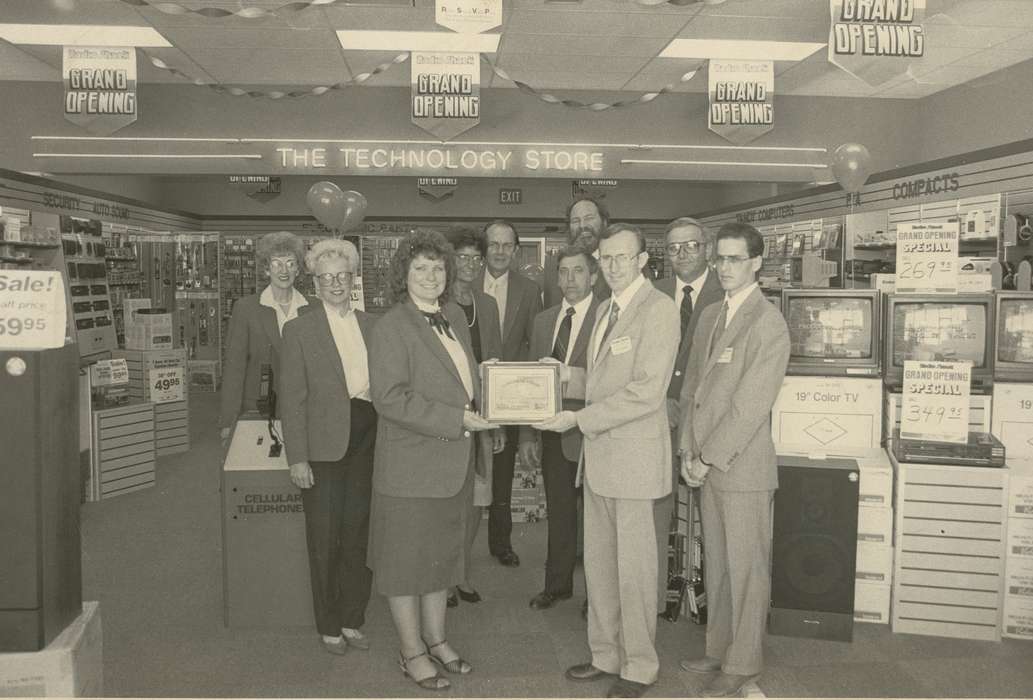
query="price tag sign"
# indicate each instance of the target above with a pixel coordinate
(109, 372)
(32, 309)
(936, 401)
(166, 384)
(927, 258)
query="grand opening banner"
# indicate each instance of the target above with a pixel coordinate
(100, 87)
(741, 99)
(446, 92)
(876, 40)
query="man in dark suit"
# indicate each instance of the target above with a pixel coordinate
(693, 288)
(519, 301)
(561, 334)
(726, 448)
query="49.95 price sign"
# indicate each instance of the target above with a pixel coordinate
(936, 401)
(32, 310)
(927, 258)
(166, 384)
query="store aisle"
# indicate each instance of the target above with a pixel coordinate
(153, 560)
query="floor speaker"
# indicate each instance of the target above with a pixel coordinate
(814, 548)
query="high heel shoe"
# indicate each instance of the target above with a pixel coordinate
(435, 682)
(457, 665)
(471, 597)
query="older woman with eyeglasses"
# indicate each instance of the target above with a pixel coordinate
(329, 428)
(256, 326)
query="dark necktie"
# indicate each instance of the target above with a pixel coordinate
(559, 348)
(438, 322)
(719, 326)
(686, 310)
(610, 323)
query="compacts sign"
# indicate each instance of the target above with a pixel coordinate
(876, 40)
(741, 105)
(446, 92)
(100, 87)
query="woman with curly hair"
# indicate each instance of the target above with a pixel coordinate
(423, 380)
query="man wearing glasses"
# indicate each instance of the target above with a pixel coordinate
(693, 288)
(519, 301)
(725, 447)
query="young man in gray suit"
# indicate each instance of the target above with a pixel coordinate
(726, 448)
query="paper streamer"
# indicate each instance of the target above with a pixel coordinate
(172, 8)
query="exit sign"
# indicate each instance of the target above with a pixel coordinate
(511, 196)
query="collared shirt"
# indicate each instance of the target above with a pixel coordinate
(622, 300)
(297, 301)
(576, 321)
(352, 350)
(452, 346)
(498, 287)
(734, 302)
(697, 287)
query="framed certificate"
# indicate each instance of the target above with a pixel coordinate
(520, 393)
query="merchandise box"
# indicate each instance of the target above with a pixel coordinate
(203, 375)
(875, 524)
(131, 306)
(979, 413)
(1018, 617)
(1012, 419)
(828, 413)
(70, 666)
(874, 563)
(872, 602)
(1018, 578)
(1020, 488)
(1020, 538)
(149, 332)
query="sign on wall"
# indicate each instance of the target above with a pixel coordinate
(468, 16)
(100, 87)
(435, 188)
(446, 92)
(741, 104)
(876, 40)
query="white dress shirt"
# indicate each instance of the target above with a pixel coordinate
(734, 302)
(452, 346)
(622, 300)
(352, 350)
(498, 287)
(576, 321)
(697, 287)
(298, 300)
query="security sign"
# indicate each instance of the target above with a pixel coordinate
(876, 40)
(100, 87)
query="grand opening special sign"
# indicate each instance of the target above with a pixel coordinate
(32, 310)
(100, 87)
(741, 99)
(446, 92)
(935, 404)
(927, 258)
(876, 40)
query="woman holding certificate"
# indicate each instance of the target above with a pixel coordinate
(423, 380)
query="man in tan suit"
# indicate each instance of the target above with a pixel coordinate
(626, 464)
(726, 448)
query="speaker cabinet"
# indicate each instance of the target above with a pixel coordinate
(41, 560)
(814, 549)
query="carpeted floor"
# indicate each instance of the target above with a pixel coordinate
(153, 559)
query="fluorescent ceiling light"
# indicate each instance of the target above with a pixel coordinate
(418, 41)
(82, 35)
(743, 50)
(625, 161)
(239, 156)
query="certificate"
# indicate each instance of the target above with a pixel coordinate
(516, 393)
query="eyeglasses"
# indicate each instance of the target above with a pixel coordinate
(327, 279)
(502, 247)
(676, 249)
(622, 260)
(731, 260)
(468, 259)
(283, 265)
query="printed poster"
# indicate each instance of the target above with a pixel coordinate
(100, 87)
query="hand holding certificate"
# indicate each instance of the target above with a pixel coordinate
(520, 393)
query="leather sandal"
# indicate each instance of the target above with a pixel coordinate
(456, 665)
(435, 682)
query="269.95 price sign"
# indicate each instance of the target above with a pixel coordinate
(935, 404)
(166, 384)
(927, 258)
(32, 310)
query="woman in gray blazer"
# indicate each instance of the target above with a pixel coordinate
(423, 380)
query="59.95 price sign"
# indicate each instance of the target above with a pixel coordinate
(32, 310)
(927, 258)
(166, 384)
(935, 404)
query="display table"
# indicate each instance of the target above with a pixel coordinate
(265, 558)
(70, 666)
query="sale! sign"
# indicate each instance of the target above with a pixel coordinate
(32, 310)
(100, 87)
(935, 404)
(876, 40)
(446, 92)
(927, 258)
(741, 99)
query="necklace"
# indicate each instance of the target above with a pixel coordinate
(470, 323)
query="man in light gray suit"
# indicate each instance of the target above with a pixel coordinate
(626, 464)
(726, 448)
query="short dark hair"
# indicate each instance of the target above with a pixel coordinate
(745, 232)
(613, 229)
(428, 243)
(600, 207)
(499, 222)
(573, 250)
(466, 237)
(683, 221)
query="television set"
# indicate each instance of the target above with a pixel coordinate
(833, 332)
(940, 327)
(1013, 355)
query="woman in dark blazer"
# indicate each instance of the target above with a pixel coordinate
(423, 380)
(329, 428)
(256, 326)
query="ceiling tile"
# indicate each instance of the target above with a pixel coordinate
(282, 67)
(994, 13)
(43, 12)
(768, 8)
(514, 63)
(16, 64)
(812, 29)
(397, 74)
(248, 38)
(398, 19)
(609, 26)
(548, 81)
(568, 44)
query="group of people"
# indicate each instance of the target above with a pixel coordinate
(661, 382)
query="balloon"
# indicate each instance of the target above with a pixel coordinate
(354, 210)
(851, 166)
(327, 203)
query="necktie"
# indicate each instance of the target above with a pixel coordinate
(610, 323)
(686, 310)
(438, 322)
(719, 327)
(559, 348)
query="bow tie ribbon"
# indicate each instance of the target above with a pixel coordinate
(438, 322)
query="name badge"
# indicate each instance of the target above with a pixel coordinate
(621, 345)
(725, 357)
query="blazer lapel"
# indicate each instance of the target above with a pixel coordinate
(624, 317)
(545, 341)
(580, 351)
(712, 293)
(457, 319)
(426, 334)
(326, 339)
(742, 319)
(514, 295)
(270, 325)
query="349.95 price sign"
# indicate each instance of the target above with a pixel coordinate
(166, 384)
(927, 258)
(936, 401)
(32, 310)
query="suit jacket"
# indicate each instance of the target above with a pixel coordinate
(710, 294)
(488, 325)
(727, 406)
(574, 390)
(314, 399)
(423, 450)
(253, 340)
(627, 444)
(523, 303)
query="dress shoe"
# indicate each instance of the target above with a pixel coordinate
(704, 664)
(584, 610)
(726, 685)
(335, 646)
(586, 672)
(623, 688)
(508, 558)
(452, 601)
(470, 596)
(356, 639)
(545, 600)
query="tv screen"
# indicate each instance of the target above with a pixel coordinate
(830, 328)
(1015, 331)
(942, 331)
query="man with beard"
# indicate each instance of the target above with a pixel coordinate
(587, 218)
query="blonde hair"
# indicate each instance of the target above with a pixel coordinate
(332, 248)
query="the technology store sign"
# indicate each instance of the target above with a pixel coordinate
(100, 87)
